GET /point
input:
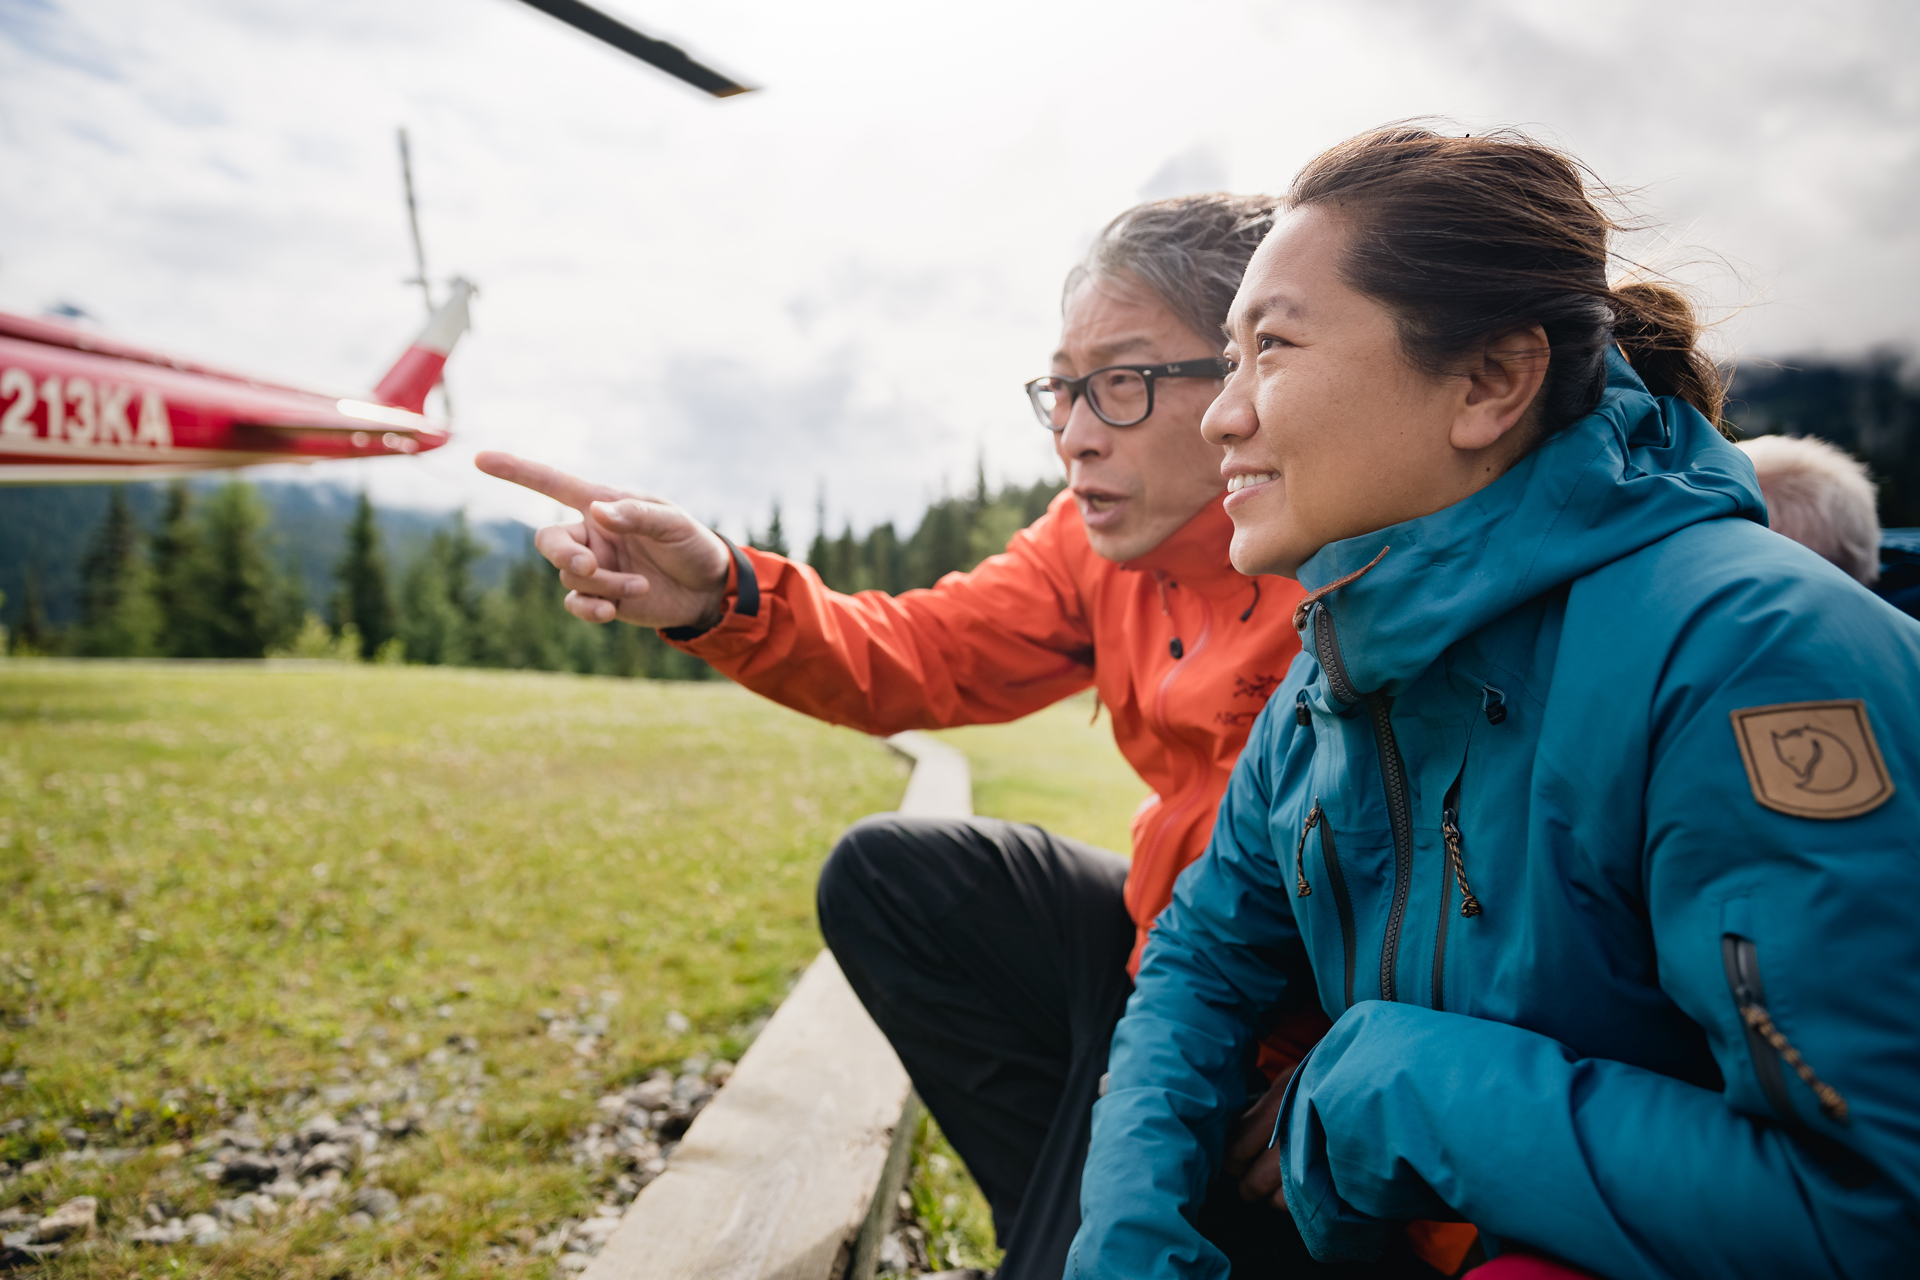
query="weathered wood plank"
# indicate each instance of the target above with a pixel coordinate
(777, 1178)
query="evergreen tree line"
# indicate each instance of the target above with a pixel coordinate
(954, 535)
(206, 582)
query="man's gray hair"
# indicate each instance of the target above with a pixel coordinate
(1822, 498)
(1190, 250)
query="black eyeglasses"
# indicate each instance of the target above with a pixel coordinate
(1121, 394)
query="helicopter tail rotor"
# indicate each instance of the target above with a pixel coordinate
(414, 374)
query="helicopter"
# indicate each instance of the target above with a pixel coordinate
(79, 407)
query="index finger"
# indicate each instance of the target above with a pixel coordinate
(541, 478)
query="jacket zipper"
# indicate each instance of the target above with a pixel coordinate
(1765, 1041)
(1330, 855)
(1393, 776)
(1326, 648)
(1157, 718)
(1342, 901)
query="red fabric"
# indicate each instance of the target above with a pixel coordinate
(1027, 628)
(1442, 1245)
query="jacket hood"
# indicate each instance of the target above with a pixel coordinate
(1635, 470)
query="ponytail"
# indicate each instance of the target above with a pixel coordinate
(1657, 332)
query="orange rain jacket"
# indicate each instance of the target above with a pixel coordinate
(1183, 649)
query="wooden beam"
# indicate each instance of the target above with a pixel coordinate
(791, 1171)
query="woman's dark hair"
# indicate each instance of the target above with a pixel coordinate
(1465, 238)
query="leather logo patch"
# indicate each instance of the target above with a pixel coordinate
(1813, 759)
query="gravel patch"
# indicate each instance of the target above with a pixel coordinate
(321, 1151)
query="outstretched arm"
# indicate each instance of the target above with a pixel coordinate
(987, 646)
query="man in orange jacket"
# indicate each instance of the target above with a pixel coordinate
(996, 956)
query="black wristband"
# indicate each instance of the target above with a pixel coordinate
(746, 594)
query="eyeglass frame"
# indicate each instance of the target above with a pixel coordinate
(1205, 367)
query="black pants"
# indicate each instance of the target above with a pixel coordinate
(993, 955)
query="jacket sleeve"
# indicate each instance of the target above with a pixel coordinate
(988, 646)
(1807, 1162)
(1223, 955)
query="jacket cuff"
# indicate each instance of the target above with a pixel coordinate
(743, 588)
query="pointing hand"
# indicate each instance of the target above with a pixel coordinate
(640, 559)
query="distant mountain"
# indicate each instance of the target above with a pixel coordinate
(47, 527)
(1869, 407)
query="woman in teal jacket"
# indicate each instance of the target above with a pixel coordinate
(1590, 811)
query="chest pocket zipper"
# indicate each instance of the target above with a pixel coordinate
(1336, 880)
(1765, 1041)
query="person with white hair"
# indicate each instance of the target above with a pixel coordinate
(1822, 497)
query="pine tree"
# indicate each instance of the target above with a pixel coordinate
(459, 552)
(365, 599)
(177, 546)
(939, 546)
(243, 593)
(820, 551)
(885, 564)
(440, 614)
(846, 561)
(775, 538)
(31, 636)
(118, 616)
(525, 617)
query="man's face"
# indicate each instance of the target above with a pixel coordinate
(1135, 485)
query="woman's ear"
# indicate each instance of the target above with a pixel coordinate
(1502, 382)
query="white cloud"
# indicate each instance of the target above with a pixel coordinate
(850, 272)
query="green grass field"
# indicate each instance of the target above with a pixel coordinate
(475, 899)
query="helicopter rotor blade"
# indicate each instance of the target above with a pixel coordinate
(413, 222)
(420, 257)
(657, 53)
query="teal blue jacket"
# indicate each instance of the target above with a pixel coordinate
(1591, 814)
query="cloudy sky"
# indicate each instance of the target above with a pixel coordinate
(844, 277)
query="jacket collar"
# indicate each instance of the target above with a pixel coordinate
(1629, 474)
(1196, 553)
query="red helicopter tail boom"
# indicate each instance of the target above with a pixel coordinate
(415, 373)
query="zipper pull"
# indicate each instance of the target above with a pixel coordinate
(1450, 832)
(1832, 1105)
(1494, 703)
(1301, 888)
(1302, 716)
(1177, 649)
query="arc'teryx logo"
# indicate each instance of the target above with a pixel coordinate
(1260, 687)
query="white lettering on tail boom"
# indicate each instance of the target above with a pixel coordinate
(81, 412)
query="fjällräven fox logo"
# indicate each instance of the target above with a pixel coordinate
(1813, 759)
(1821, 762)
